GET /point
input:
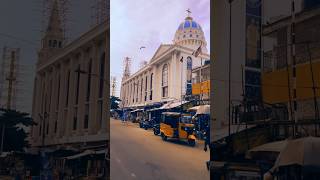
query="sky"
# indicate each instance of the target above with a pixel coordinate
(20, 26)
(148, 23)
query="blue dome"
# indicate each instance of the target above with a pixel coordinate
(189, 23)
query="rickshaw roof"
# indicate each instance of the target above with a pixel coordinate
(137, 110)
(175, 114)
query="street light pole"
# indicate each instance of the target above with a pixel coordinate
(230, 52)
(181, 71)
(2, 136)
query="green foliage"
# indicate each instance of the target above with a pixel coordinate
(114, 102)
(15, 136)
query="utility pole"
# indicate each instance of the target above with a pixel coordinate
(316, 108)
(294, 71)
(229, 69)
(11, 79)
(113, 86)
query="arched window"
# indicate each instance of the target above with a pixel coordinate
(189, 76)
(151, 77)
(165, 81)
(54, 43)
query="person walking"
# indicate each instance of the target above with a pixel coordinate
(207, 137)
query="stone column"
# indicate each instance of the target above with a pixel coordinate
(71, 98)
(61, 95)
(47, 105)
(63, 98)
(172, 78)
(52, 99)
(106, 92)
(94, 90)
(36, 109)
(82, 93)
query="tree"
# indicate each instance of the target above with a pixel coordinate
(15, 137)
(114, 102)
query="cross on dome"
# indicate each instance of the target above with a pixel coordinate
(189, 12)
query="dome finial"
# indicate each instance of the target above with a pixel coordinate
(189, 13)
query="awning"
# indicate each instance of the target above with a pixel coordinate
(85, 153)
(137, 110)
(5, 154)
(203, 109)
(173, 104)
(273, 147)
(155, 109)
(195, 108)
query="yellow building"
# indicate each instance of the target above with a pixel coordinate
(277, 76)
(201, 81)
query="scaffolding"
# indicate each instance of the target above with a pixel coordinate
(113, 85)
(99, 12)
(126, 67)
(64, 10)
(9, 80)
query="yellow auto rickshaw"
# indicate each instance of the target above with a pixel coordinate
(177, 125)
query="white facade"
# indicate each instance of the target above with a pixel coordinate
(164, 77)
(69, 107)
(220, 65)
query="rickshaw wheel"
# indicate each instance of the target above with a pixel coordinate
(164, 137)
(155, 132)
(192, 142)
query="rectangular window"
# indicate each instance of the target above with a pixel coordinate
(47, 128)
(58, 97)
(102, 63)
(165, 91)
(50, 94)
(75, 118)
(55, 126)
(137, 85)
(141, 89)
(146, 89)
(86, 117)
(78, 83)
(67, 88)
(89, 80)
(100, 111)
(56, 123)
(151, 78)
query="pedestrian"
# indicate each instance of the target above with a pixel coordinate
(207, 137)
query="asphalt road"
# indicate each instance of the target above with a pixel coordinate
(140, 155)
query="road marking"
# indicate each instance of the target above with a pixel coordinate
(118, 160)
(133, 175)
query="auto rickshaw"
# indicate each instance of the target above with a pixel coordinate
(177, 125)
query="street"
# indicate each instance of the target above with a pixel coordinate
(139, 154)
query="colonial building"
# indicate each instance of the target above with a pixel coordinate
(70, 88)
(168, 74)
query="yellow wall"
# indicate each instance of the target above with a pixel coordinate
(201, 88)
(275, 89)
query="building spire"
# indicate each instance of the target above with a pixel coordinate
(54, 24)
(53, 39)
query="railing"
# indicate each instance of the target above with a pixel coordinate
(254, 112)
